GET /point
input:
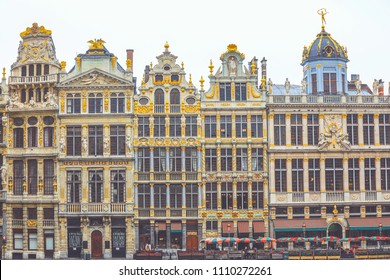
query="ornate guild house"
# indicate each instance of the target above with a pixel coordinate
(95, 166)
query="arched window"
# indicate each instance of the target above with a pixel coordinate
(38, 95)
(39, 69)
(30, 94)
(31, 70)
(23, 96)
(175, 96)
(24, 71)
(159, 97)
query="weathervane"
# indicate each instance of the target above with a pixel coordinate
(322, 12)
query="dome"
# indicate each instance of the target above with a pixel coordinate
(323, 47)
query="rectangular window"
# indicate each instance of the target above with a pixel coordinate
(330, 83)
(18, 239)
(95, 181)
(143, 196)
(368, 129)
(73, 140)
(18, 137)
(48, 179)
(211, 160)
(73, 103)
(117, 103)
(240, 91)
(225, 91)
(32, 133)
(32, 239)
(175, 192)
(17, 213)
(144, 159)
(257, 126)
(242, 159)
(159, 159)
(73, 181)
(191, 126)
(257, 159)
(175, 159)
(353, 174)
(18, 177)
(48, 213)
(226, 126)
(210, 127)
(296, 130)
(314, 175)
(312, 129)
(257, 195)
(212, 225)
(160, 196)
(32, 169)
(280, 129)
(297, 175)
(227, 195)
(369, 174)
(174, 126)
(314, 83)
(192, 196)
(95, 103)
(117, 140)
(32, 213)
(95, 133)
(241, 127)
(353, 128)
(242, 195)
(226, 160)
(334, 174)
(385, 174)
(280, 175)
(143, 127)
(118, 186)
(191, 160)
(159, 126)
(384, 129)
(211, 196)
(48, 136)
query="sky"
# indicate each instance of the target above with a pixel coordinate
(200, 30)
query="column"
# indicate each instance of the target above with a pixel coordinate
(25, 233)
(40, 245)
(63, 238)
(305, 174)
(345, 175)
(288, 130)
(249, 125)
(153, 234)
(152, 196)
(378, 186)
(168, 186)
(84, 140)
(272, 176)
(304, 130)
(106, 184)
(250, 197)
(271, 140)
(132, 244)
(151, 159)
(322, 175)
(107, 237)
(168, 234)
(130, 195)
(361, 174)
(219, 197)
(360, 129)
(234, 194)
(184, 234)
(234, 126)
(320, 122)
(289, 175)
(183, 197)
(234, 157)
(84, 225)
(376, 130)
(201, 194)
(218, 126)
(84, 184)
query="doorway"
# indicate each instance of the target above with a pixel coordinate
(335, 229)
(49, 244)
(192, 243)
(97, 244)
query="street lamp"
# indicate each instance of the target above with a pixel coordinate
(304, 230)
(380, 235)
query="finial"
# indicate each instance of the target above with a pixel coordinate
(151, 64)
(211, 67)
(166, 46)
(335, 211)
(201, 81)
(182, 65)
(63, 65)
(191, 79)
(263, 83)
(3, 73)
(96, 44)
(128, 64)
(78, 61)
(322, 12)
(143, 80)
(253, 67)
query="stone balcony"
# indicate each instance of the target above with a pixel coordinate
(329, 197)
(328, 99)
(44, 79)
(167, 213)
(166, 176)
(95, 208)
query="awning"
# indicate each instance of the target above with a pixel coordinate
(297, 225)
(243, 227)
(227, 227)
(258, 227)
(176, 227)
(368, 223)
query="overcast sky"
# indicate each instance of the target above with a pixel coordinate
(200, 30)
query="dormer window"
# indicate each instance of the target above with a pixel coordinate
(167, 68)
(174, 78)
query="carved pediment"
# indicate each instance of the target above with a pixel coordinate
(94, 77)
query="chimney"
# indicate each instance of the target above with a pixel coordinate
(381, 88)
(147, 70)
(264, 68)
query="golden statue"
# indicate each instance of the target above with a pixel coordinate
(96, 44)
(322, 12)
(335, 211)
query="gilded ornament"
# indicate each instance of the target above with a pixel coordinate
(35, 30)
(96, 44)
(31, 223)
(78, 62)
(63, 65)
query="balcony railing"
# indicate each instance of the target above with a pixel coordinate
(176, 213)
(328, 99)
(17, 222)
(143, 176)
(193, 176)
(371, 196)
(160, 176)
(34, 79)
(175, 176)
(48, 223)
(192, 213)
(95, 208)
(144, 213)
(298, 197)
(160, 213)
(334, 196)
(159, 109)
(174, 108)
